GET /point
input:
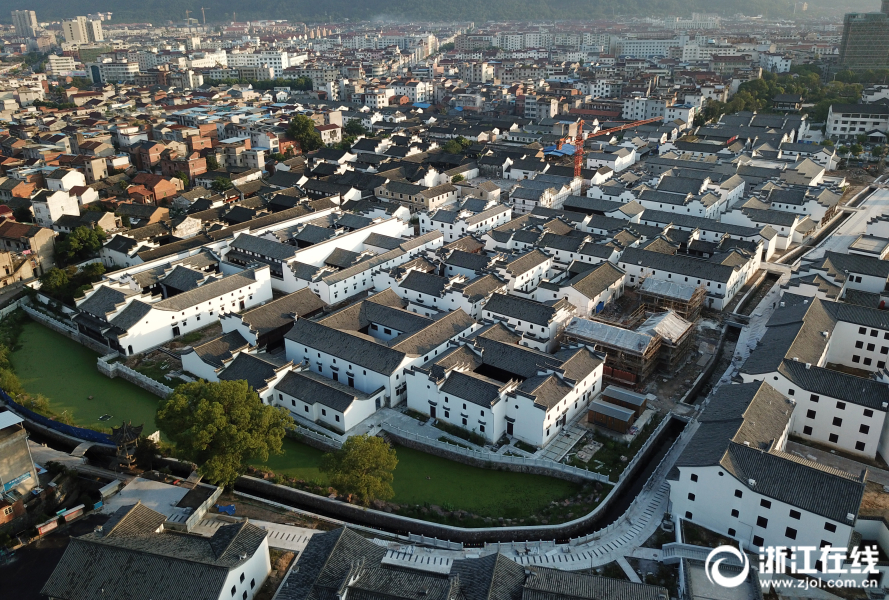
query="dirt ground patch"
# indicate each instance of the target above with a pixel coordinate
(262, 512)
(281, 562)
(875, 501)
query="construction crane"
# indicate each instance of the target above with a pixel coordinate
(579, 139)
(578, 148)
(203, 15)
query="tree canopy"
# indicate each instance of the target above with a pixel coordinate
(220, 184)
(355, 128)
(362, 468)
(68, 283)
(221, 426)
(302, 129)
(80, 244)
(456, 145)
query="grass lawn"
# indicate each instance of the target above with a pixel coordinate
(452, 485)
(65, 372)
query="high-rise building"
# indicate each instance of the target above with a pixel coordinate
(865, 43)
(81, 30)
(25, 23)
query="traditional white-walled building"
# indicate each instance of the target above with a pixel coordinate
(370, 344)
(493, 386)
(735, 478)
(538, 324)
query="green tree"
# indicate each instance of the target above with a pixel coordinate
(54, 281)
(457, 178)
(220, 184)
(221, 426)
(80, 244)
(828, 143)
(856, 149)
(876, 151)
(23, 214)
(362, 468)
(183, 177)
(843, 150)
(446, 47)
(862, 138)
(355, 128)
(212, 163)
(302, 129)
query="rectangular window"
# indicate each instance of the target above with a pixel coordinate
(830, 527)
(694, 477)
(765, 503)
(691, 497)
(837, 422)
(864, 429)
(859, 344)
(731, 532)
(814, 398)
(790, 533)
(758, 541)
(795, 514)
(738, 494)
(833, 438)
(810, 414)
(859, 446)
(735, 513)
(762, 522)
(841, 405)
(868, 412)
(807, 430)
(856, 358)
(688, 515)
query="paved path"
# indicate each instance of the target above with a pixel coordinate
(559, 447)
(875, 204)
(840, 462)
(628, 570)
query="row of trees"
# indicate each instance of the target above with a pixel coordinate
(223, 426)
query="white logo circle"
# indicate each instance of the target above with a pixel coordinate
(716, 577)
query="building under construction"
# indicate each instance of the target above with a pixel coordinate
(675, 334)
(662, 342)
(686, 300)
(631, 356)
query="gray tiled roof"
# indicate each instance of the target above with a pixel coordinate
(279, 313)
(263, 247)
(677, 263)
(424, 283)
(218, 351)
(129, 559)
(472, 388)
(594, 282)
(836, 384)
(313, 388)
(208, 291)
(105, 300)
(256, 370)
(524, 310)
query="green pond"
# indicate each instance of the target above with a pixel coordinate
(65, 372)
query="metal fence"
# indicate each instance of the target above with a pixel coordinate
(78, 432)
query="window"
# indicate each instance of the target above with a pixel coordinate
(810, 414)
(868, 412)
(833, 438)
(762, 522)
(738, 494)
(859, 446)
(735, 513)
(234, 589)
(691, 497)
(841, 405)
(864, 429)
(688, 515)
(837, 422)
(337, 417)
(242, 578)
(731, 532)
(856, 358)
(790, 533)
(862, 330)
(252, 583)
(481, 428)
(795, 514)
(859, 344)
(870, 347)
(323, 412)
(867, 362)
(758, 541)
(694, 477)
(306, 407)
(244, 595)
(765, 503)
(814, 397)
(464, 421)
(807, 430)
(830, 527)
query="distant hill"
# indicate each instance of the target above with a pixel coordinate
(158, 12)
